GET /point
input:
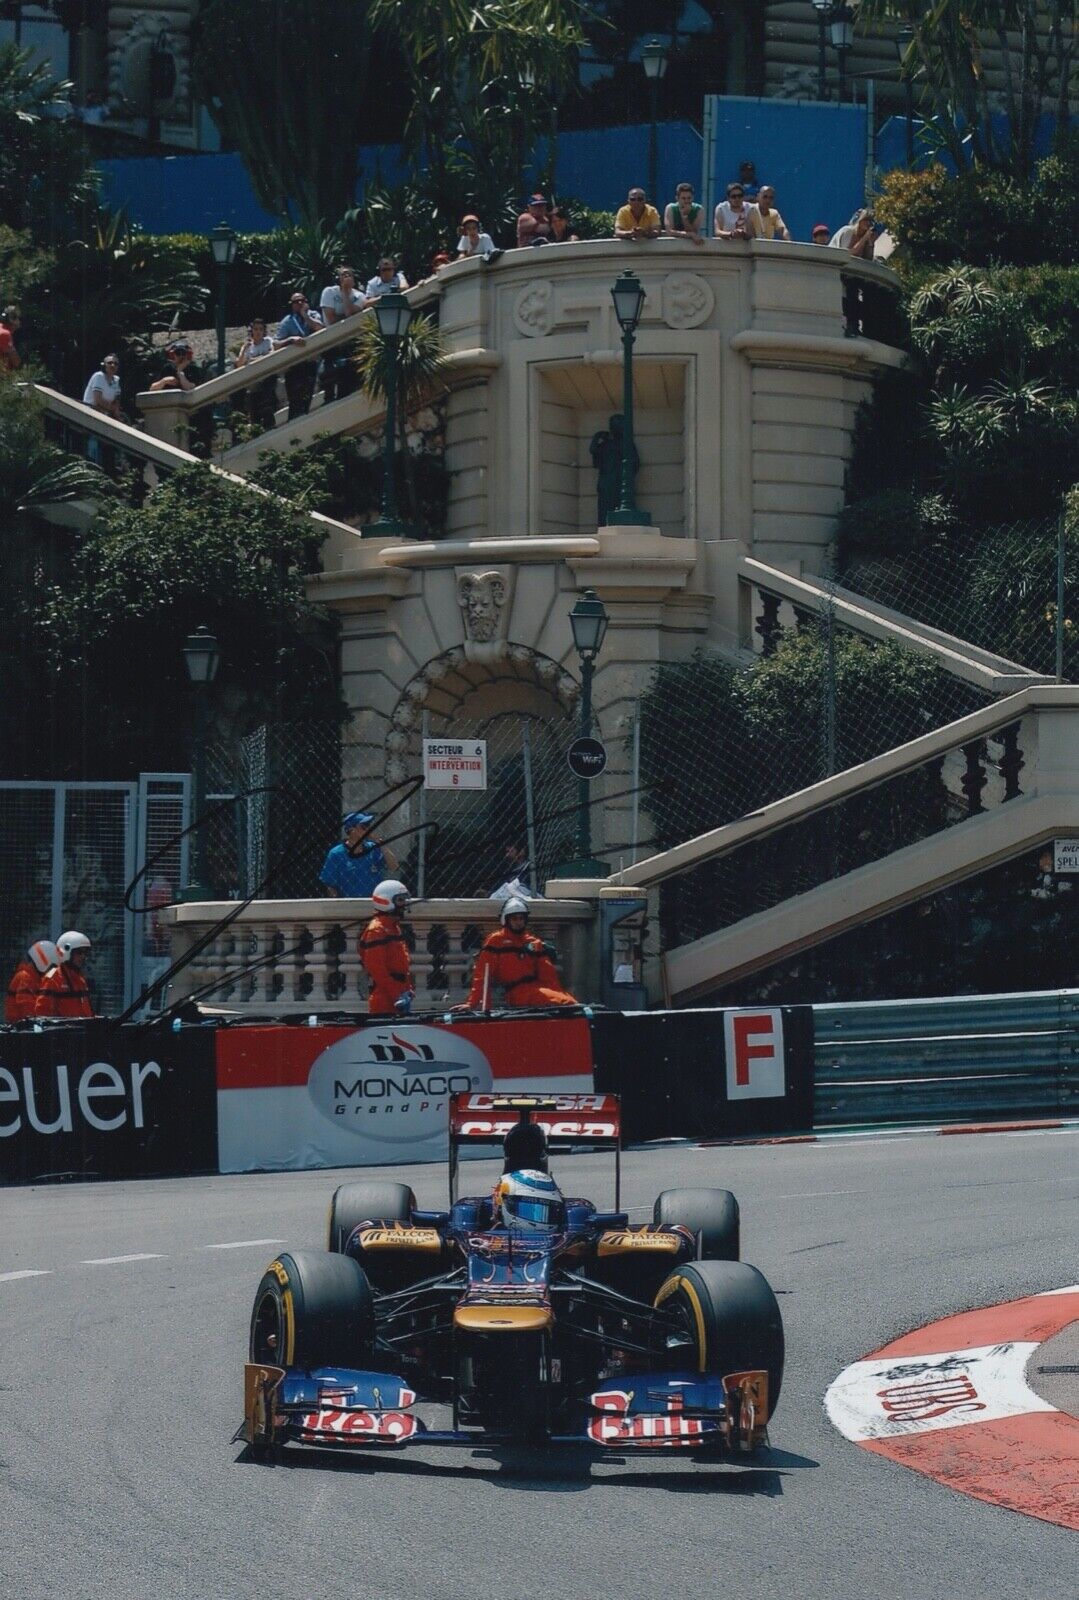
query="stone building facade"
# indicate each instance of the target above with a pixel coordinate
(749, 365)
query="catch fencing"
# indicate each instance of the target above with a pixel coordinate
(104, 858)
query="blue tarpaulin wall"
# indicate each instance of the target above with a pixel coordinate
(812, 152)
(190, 194)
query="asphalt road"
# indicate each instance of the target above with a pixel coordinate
(121, 1386)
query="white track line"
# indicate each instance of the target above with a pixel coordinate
(39, 1272)
(241, 1244)
(115, 1261)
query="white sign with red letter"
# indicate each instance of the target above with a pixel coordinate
(754, 1052)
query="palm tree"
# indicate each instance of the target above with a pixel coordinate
(44, 169)
(421, 362)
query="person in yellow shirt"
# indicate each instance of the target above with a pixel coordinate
(765, 221)
(637, 219)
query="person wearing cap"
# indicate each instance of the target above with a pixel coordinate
(473, 240)
(637, 219)
(821, 233)
(64, 991)
(182, 372)
(534, 225)
(354, 867)
(25, 985)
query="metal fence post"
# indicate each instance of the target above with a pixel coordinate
(530, 814)
(635, 784)
(421, 846)
(828, 731)
(56, 895)
(1060, 600)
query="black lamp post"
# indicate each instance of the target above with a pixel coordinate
(841, 28)
(628, 295)
(903, 40)
(654, 61)
(588, 619)
(393, 314)
(223, 248)
(201, 658)
(823, 9)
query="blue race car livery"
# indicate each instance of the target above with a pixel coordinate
(517, 1315)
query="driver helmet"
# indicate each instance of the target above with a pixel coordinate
(391, 895)
(513, 907)
(531, 1201)
(69, 942)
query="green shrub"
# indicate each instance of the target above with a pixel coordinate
(983, 216)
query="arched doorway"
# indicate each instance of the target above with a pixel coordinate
(521, 706)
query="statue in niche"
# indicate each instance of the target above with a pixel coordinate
(606, 452)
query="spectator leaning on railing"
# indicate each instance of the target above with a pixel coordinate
(337, 302)
(684, 217)
(821, 233)
(534, 225)
(261, 397)
(387, 279)
(858, 237)
(637, 220)
(732, 215)
(296, 328)
(765, 221)
(473, 240)
(561, 227)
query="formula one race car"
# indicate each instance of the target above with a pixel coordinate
(522, 1315)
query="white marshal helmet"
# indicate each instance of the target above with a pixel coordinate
(531, 1201)
(390, 895)
(44, 955)
(513, 907)
(69, 942)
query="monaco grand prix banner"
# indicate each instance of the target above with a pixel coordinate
(298, 1097)
(90, 1100)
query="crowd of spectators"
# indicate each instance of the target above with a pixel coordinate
(748, 211)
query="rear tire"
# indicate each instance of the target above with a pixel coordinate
(313, 1309)
(713, 1213)
(376, 1201)
(733, 1317)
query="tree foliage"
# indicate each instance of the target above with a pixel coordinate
(291, 84)
(44, 172)
(110, 618)
(946, 61)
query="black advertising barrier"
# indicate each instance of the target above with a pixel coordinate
(707, 1073)
(91, 1100)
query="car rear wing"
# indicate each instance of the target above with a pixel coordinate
(589, 1119)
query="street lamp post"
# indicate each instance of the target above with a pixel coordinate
(654, 61)
(588, 620)
(841, 28)
(201, 658)
(903, 40)
(823, 9)
(393, 314)
(223, 248)
(628, 295)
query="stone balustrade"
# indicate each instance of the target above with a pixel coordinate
(281, 956)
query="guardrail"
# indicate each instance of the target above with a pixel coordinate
(976, 1057)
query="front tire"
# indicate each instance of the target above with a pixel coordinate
(313, 1309)
(713, 1213)
(375, 1201)
(732, 1317)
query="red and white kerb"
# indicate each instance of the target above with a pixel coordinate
(951, 1400)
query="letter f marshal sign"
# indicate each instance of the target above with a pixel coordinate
(753, 1043)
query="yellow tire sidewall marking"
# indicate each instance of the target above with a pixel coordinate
(689, 1290)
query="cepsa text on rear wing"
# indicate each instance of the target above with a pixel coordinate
(594, 1120)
